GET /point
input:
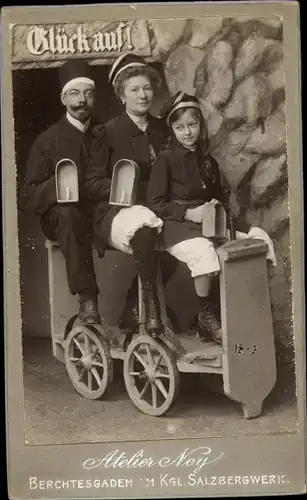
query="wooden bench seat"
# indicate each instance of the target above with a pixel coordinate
(49, 244)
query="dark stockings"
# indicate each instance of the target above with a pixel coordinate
(146, 260)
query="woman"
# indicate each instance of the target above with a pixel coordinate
(138, 136)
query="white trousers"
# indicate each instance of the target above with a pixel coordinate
(198, 254)
(201, 257)
(127, 222)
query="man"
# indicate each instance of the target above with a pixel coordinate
(67, 223)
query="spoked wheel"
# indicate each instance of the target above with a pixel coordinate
(88, 362)
(151, 375)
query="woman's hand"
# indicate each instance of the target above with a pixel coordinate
(195, 214)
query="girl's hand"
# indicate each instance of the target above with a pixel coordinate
(195, 214)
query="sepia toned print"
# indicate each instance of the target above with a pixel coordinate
(155, 249)
(238, 76)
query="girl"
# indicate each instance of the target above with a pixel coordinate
(183, 180)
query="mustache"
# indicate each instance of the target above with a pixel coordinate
(80, 107)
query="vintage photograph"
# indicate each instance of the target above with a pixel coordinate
(154, 229)
(154, 238)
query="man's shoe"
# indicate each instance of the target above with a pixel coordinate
(88, 311)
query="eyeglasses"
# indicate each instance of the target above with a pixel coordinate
(77, 93)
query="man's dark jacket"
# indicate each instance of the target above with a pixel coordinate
(61, 140)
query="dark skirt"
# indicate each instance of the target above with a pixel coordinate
(174, 232)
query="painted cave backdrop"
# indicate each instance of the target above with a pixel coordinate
(235, 66)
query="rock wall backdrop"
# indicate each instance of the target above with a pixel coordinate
(235, 67)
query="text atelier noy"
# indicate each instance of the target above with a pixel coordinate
(56, 40)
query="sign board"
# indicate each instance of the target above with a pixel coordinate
(59, 42)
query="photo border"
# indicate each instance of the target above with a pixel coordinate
(270, 453)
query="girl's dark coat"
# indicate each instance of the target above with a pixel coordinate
(182, 179)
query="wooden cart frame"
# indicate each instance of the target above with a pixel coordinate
(152, 367)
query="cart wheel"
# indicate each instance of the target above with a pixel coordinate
(151, 375)
(88, 362)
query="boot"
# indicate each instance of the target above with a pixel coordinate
(146, 260)
(88, 310)
(208, 321)
(214, 297)
(129, 320)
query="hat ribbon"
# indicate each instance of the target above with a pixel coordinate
(79, 79)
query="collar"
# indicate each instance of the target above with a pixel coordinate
(83, 127)
(181, 151)
(154, 125)
(138, 121)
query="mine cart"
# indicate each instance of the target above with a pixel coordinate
(152, 367)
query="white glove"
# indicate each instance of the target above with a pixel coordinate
(258, 233)
(195, 214)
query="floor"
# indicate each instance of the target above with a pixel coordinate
(201, 410)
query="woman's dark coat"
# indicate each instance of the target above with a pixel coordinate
(120, 138)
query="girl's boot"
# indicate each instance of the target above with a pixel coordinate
(208, 321)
